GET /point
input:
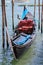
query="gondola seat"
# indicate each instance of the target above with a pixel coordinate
(26, 26)
(26, 23)
(26, 29)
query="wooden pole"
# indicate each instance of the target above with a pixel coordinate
(39, 8)
(34, 7)
(13, 15)
(42, 18)
(4, 20)
(3, 36)
(6, 25)
(39, 14)
(6, 32)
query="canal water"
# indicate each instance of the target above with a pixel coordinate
(34, 55)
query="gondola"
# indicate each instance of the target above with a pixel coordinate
(25, 34)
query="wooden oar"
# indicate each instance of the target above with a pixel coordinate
(10, 43)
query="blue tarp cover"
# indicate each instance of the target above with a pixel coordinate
(21, 40)
(24, 13)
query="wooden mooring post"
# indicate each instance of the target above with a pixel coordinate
(6, 25)
(42, 19)
(34, 7)
(39, 14)
(13, 15)
(39, 8)
(3, 19)
(3, 23)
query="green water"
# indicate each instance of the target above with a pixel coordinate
(34, 55)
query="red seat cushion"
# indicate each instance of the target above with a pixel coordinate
(26, 23)
(25, 26)
(22, 23)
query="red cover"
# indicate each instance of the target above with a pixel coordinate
(26, 29)
(22, 23)
(25, 26)
(26, 23)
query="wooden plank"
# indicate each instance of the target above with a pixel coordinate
(30, 5)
